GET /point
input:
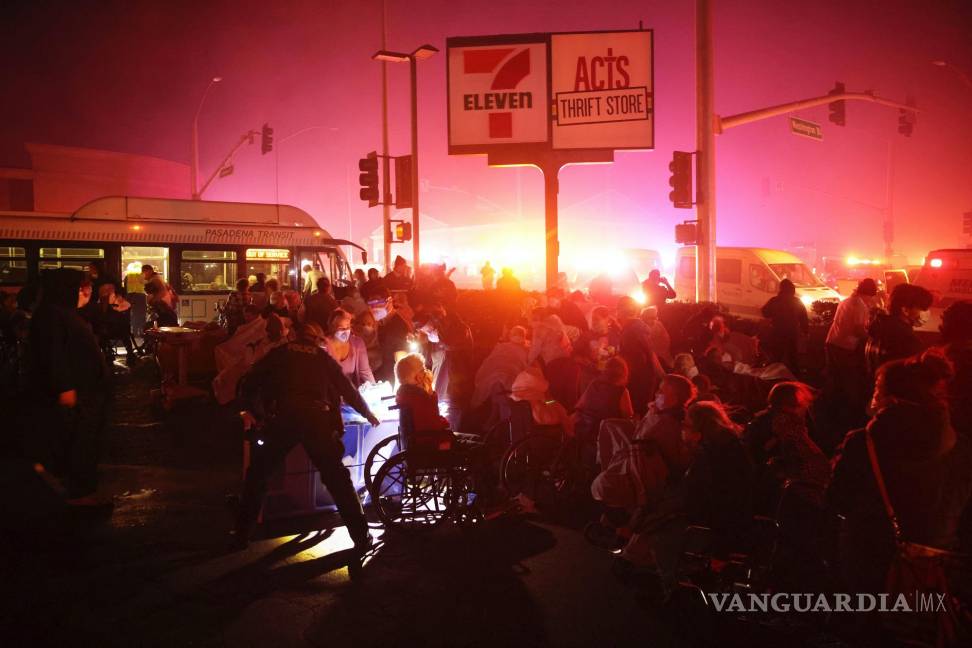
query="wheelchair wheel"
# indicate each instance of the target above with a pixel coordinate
(413, 499)
(537, 466)
(382, 452)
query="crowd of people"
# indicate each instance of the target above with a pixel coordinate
(674, 425)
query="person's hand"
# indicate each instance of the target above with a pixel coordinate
(68, 398)
(249, 420)
(373, 420)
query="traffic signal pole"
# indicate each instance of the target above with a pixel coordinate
(385, 162)
(705, 258)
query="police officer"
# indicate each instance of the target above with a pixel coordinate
(300, 387)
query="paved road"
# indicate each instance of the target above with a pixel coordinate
(154, 573)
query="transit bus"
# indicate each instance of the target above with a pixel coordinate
(200, 247)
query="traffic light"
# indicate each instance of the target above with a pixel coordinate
(403, 181)
(907, 119)
(838, 114)
(681, 180)
(266, 139)
(369, 178)
(687, 233)
(403, 232)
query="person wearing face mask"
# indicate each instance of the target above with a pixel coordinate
(348, 349)
(365, 326)
(70, 377)
(891, 336)
(663, 422)
(450, 346)
(845, 354)
(394, 331)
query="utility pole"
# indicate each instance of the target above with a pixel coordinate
(385, 161)
(416, 231)
(705, 276)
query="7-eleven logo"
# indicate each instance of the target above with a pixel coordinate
(506, 69)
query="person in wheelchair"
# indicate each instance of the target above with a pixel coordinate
(415, 394)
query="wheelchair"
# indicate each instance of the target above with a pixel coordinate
(541, 462)
(416, 488)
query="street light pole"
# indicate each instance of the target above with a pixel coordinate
(423, 52)
(385, 160)
(194, 171)
(962, 75)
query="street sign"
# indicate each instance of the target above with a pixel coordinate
(498, 93)
(603, 92)
(806, 128)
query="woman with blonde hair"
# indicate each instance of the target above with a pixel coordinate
(416, 396)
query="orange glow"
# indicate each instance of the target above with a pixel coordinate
(136, 227)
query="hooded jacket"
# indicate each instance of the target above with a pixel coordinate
(66, 354)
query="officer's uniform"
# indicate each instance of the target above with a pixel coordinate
(302, 386)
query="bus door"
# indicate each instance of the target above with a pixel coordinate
(133, 257)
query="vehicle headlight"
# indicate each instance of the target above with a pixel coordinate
(807, 300)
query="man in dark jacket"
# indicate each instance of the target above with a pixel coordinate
(892, 336)
(300, 387)
(71, 377)
(399, 279)
(789, 318)
(319, 306)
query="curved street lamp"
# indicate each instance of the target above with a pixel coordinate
(420, 53)
(194, 172)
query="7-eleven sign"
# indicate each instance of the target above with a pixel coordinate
(498, 94)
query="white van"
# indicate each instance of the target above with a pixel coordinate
(747, 277)
(947, 274)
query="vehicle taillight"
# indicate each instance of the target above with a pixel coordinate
(935, 263)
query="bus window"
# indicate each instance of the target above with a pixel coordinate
(762, 279)
(76, 258)
(208, 270)
(273, 262)
(13, 265)
(132, 260)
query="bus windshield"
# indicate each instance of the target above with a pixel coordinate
(798, 273)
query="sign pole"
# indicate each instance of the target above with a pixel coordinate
(551, 189)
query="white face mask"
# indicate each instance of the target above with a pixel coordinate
(692, 372)
(379, 313)
(342, 336)
(660, 401)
